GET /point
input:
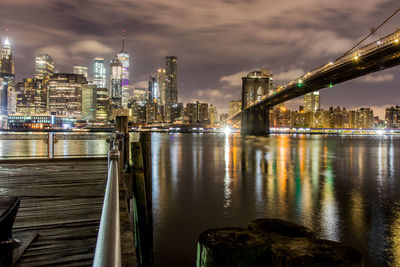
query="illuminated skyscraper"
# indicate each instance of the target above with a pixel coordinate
(123, 58)
(99, 72)
(65, 94)
(89, 102)
(78, 69)
(7, 73)
(161, 85)
(153, 90)
(44, 66)
(311, 102)
(32, 96)
(116, 83)
(171, 85)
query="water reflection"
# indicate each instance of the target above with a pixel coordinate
(341, 187)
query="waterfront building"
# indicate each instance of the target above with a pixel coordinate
(39, 122)
(116, 83)
(256, 85)
(234, 106)
(213, 114)
(171, 85)
(79, 69)
(161, 81)
(44, 66)
(311, 102)
(197, 112)
(123, 58)
(103, 104)
(366, 118)
(392, 117)
(65, 95)
(89, 102)
(99, 72)
(31, 96)
(177, 111)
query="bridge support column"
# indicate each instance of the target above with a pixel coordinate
(255, 122)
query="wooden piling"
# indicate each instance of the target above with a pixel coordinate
(272, 242)
(142, 213)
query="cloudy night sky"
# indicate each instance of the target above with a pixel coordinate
(216, 42)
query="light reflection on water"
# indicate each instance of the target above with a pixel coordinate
(343, 188)
(63, 148)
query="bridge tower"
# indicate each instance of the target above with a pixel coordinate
(255, 86)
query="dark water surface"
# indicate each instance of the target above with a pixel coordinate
(344, 188)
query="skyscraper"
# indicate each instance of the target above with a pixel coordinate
(123, 58)
(7, 73)
(161, 85)
(99, 72)
(89, 102)
(153, 90)
(79, 69)
(65, 94)
(171, 85)
(116, 83)
(311, 102)
(44, 66)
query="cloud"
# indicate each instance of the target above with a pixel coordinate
(90, 47)
(377, 78)
(288, 75)
(234, 80)
(141, 84)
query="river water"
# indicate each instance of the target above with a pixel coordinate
(345, 188)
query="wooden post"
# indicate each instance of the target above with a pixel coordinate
(272, 242)
(143, 227)
(122, 127)
(228, 247)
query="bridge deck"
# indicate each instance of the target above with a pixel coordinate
(62, 200)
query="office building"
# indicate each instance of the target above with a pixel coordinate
(392, 117)
(116, 83)
(171, 85)
(65, 95)
(99, 72)
(79, 69)
(140, 95)
(7, 75)
(89, 102)
(161, 85)
(197, 112)
(153, 90)
(44, 66)
(31, 96)
(123, 58)
(103, 104)
(311, 101)
(213, 114)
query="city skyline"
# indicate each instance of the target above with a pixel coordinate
(208, 71)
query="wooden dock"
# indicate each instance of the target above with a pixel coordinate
(61, 200)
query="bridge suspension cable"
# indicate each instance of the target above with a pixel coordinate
(371, 33)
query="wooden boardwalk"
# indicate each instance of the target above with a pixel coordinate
(62, 200)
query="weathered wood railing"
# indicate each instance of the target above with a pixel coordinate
(108, 246)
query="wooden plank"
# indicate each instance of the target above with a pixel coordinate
(62, 200)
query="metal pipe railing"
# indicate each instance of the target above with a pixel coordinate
(108, 246)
